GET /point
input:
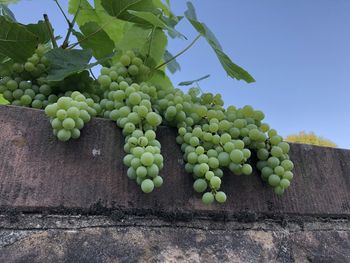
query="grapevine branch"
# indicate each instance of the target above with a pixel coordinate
(179, 54)
(70, 23)
(49, 28)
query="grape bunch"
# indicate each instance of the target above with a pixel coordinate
(129, 105)
(24, 84)
(69, 115)
(213, 138)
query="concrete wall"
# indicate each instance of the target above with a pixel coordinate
(72, 202)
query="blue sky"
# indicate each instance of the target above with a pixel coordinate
(298, 51)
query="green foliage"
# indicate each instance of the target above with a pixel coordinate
(310, 138)
(67, 62)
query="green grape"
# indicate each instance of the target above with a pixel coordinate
(158, 181)
(208, 198)
(131, 173)
(279, 170)
(220, 197)
(200, 185)
(247, 169)
(68, 123)
(147, 186)
(215, 182)
(274, 180)
(147, 159)
(288, 175)
(64, 135)
(153, 171)
(224, 159)
(37, 104)
(287, 165)
(236, 156)
(75, 133)
(141, 171)
(284, 183)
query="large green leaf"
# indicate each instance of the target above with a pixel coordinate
(172, 65)
(16, 41)
(142, 39)
(100, 43)
(190, 82)
(65, 62)
(231, 68)
(40, 30)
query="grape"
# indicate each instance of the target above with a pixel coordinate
(247, 169)
(220, 197)
(64, 135)
(68, 123)
(215, 182)
(274, 180)
(158, 181)
(147, 159)
(147, 186)
(236, 156)
(284, 183)
(208, 198)
(200, 185)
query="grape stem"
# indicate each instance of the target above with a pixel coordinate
(59, 6)
(179, 54)
(70, 24)
(49, 28)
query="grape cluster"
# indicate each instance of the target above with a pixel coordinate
(213, 138)
(69, 115)
(25, 85)
(129, 105)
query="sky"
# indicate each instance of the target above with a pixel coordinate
(298, 51)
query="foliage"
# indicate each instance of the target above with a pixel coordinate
(310, 138)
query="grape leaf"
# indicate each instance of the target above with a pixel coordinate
(65, 62)
(231, 68)
(16, 41)
(100, 43)
(40, 30)
(3, 101)
(161, 80)
(173, 65)
(7, 13)
(190, 82)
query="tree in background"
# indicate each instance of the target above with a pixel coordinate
(310, 138)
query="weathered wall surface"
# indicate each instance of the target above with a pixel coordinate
(45, 185)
